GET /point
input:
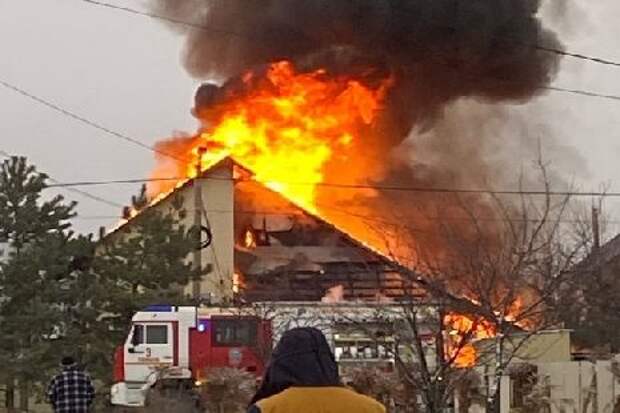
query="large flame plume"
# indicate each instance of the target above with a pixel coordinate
(284, 126)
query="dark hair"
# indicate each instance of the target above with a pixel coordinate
(67, 361)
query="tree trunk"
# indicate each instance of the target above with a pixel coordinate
(24, 396)
(494, 393)
(9, 399)
(493, 404)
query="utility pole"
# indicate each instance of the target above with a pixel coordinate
(197, 261)
(596, 230)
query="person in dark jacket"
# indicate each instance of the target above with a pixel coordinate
(71, 391)
(302, 377)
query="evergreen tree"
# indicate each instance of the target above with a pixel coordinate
(37, 231)
(67, 294)
(140, 264)
(83, 301)
(146, 263)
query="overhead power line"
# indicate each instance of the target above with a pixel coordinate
(58, 184)
(356, 186)
(85, 120)
(598, 60)
(536, 46)
(164, 18)
(134, 141)
(137, 142)
(111, 132)
(397, 221)
(583, 93)
(88, 195)
(221, 31)
(125, 181)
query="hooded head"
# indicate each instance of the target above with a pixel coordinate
(302, 357)
(68, 362)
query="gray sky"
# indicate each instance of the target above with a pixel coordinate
(123, 72)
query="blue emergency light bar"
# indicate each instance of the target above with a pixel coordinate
(203, 325)
(159, 308)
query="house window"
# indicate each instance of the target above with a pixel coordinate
(234, 332)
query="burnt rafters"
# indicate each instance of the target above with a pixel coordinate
(290, 288)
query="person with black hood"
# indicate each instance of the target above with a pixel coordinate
(302, 377)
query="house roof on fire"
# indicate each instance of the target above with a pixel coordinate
(185, 183)
(241, 170)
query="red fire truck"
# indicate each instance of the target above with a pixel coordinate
(180, 344)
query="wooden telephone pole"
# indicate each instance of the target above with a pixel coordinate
(596, 230)
(197, 259)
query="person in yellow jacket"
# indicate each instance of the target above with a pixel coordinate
(302, 377)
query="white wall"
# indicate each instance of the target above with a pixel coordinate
(575, 387)
(217, 190)
(578, 387)
(218, 202)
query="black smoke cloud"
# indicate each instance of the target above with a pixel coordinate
(481, 53)
(437, 50)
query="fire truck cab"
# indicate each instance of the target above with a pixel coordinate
(169, 343)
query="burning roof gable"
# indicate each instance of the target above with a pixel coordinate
(178, 187)
(242, 173)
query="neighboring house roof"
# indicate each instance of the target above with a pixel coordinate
(603, 255)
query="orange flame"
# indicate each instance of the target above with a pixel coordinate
(237, 283)
(249, 241)
(468, 329)
(286, 127)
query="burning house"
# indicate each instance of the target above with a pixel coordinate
(319, 103)
(290, 266)
(322, 117)
(265, 247)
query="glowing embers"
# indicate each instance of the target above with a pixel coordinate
(462, 332)
(237, 282)
(249, 239)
